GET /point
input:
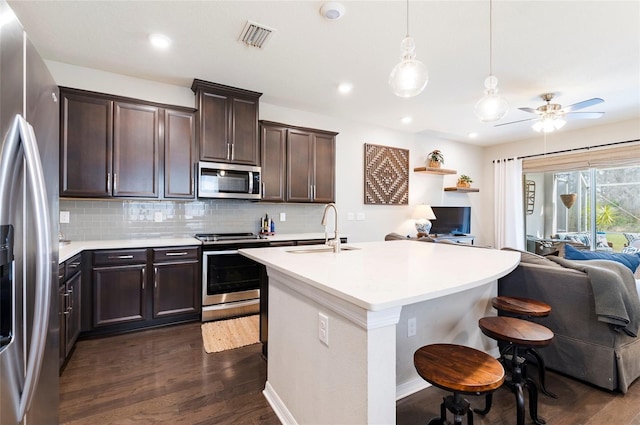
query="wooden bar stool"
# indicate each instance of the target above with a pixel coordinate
(461, 370)
(524, 308)
(519, 334)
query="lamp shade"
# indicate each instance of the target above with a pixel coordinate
(423, 214)
(423, 211)
(492, 106)
(410, 76)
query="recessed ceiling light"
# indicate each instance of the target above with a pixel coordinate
(345, 88)
(407, 120)
(472, 135)
(159, 41)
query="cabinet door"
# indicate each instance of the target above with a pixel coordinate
(73, 306)
(175, 289)
(214, 127)
(118, 294)
(299, 165)
(179, 154)
(85, 145)
(135, 150)
(324, 168)
(62, 322)
(273, 162)
(245, 146)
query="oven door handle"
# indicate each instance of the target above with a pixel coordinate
(227, 252)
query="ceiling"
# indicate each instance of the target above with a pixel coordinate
(576, 49)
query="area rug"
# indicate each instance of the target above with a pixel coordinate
(228, 334)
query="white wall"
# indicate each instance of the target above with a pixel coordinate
(379, 220)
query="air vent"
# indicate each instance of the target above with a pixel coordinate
(255, 34)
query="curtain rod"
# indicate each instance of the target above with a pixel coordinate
(570, 150)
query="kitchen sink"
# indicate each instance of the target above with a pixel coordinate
(322, 248)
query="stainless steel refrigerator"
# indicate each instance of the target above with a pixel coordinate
(29, 339)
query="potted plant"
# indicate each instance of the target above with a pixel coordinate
(435, 159)
(464, 181)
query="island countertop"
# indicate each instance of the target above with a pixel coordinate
(382, 275)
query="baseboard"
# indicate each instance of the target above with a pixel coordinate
(410, 387)
(278, 406)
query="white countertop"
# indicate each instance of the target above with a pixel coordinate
(69, 250)
(382, 275)
(75, 247)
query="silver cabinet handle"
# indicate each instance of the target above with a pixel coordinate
(155, 277)
(115, 183)
(108, 182)
(228, 150)
(232, 151)
(120, 257)
(144, 276)
(175, 254)
(74, 265)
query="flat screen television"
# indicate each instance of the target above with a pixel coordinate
(451, 220)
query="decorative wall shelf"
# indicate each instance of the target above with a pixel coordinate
(461, 189)
(430, 170)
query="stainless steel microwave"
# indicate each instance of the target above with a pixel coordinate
(230, 181)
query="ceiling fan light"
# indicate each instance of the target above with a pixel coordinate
(558, 123)
(537, 126)
(410, 76)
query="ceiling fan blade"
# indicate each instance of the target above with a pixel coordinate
(583, 115)
(583, 104)
(513, 122)
(532, 110)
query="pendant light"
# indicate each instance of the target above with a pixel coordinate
(410, 76)
(491, 107)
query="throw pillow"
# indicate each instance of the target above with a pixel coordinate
(630, 260)
(631, 236)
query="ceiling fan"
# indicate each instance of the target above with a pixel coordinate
(552, 116)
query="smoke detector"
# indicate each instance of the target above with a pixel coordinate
(332, 10)
(255, 35)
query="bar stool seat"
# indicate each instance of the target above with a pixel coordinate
(519, 334)
(525, 308)
(461, 370)
(521, 306)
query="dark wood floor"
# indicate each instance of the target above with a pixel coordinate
(163, 376)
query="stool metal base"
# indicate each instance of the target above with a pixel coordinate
(457, 405)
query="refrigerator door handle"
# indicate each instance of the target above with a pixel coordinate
(10, 162)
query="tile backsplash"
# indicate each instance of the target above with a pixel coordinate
(124, 219)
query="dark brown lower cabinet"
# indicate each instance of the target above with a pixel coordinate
(174, 274)
(70, 279)
(140, 288)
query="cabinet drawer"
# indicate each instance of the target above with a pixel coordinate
(174, 254)
(61, 274)
(120, 256)
(72, 266)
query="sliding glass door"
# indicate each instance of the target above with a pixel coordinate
(594, 208)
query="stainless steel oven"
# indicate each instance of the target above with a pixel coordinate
(230, 281)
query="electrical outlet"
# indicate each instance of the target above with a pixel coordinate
(64, 217)
(283, 216)
(411, 327)
(351, 216)
(323, 328)
(158, 217)
(360, 216)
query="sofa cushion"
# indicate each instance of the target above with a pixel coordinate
(531, 258)
(632, 261)
(631, 236)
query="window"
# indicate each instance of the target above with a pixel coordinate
(596, 208)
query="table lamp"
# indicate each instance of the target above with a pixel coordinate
(423, 214)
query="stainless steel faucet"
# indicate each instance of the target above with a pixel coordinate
(335, 243)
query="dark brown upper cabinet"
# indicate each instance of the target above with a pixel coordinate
(112, 146)
(179, 154)
(227, 123)
(298, 164)
(273, 150)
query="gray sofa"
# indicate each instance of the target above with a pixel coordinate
(584, 347)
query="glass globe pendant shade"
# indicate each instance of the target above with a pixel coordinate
(491, 107)
(410, 76)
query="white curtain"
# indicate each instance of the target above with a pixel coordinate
(508, 204)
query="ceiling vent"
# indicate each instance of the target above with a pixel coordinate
(255, 34)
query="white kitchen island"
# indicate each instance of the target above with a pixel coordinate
(368, 296)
